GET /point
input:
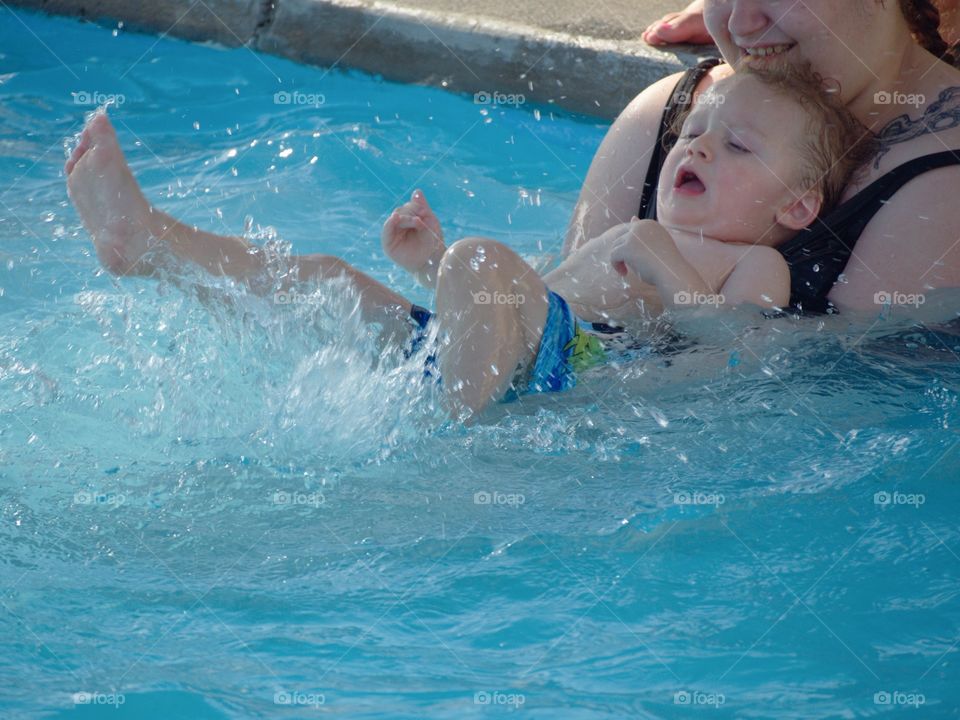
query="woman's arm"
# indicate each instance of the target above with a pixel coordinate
(910, 247)
(611, 192)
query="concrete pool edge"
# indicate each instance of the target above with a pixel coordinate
(484, 57)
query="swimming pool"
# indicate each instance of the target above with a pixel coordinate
(214, 507)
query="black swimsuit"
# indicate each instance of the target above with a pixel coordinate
(818, 255)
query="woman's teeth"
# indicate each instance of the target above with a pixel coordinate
(765, 51)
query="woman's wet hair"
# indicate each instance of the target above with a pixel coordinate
(923, 17)
(835, 145)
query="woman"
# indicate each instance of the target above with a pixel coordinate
(687, 26)
(906, 232)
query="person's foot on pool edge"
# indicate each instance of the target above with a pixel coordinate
(686, 26)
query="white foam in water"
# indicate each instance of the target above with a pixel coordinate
(296, 376)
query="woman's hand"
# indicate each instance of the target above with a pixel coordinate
(412, 237)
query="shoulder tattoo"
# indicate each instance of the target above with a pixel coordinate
(944, 114)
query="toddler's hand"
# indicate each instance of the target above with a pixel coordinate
(623, 251)
(412, 234)
(623, 256)
(646, 248)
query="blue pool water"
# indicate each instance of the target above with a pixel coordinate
(215, 507)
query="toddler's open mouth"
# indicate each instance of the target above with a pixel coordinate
(688, 182)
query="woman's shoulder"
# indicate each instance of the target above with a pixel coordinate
(911, 245)
(654, 98)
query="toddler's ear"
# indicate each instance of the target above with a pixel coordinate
(801, 211)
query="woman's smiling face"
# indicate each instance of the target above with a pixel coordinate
(844, 40)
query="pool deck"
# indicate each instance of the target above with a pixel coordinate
(582, 56)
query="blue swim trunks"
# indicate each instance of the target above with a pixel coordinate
(565, 349)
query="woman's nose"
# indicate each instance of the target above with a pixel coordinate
(750, 18)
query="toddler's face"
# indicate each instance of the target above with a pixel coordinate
(735, 165)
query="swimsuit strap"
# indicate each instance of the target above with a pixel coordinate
(678, 105)
(818, 255)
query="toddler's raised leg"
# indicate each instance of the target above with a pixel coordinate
(132, 237)
(492, 306)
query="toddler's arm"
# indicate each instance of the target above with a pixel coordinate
(761, 276)
(587, 280)
(412, 238)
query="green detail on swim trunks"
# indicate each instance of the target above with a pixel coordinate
(586, 351)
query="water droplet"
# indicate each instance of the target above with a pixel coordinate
(479, 257)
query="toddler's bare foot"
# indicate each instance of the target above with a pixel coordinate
(109, 201)
(685, 26)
